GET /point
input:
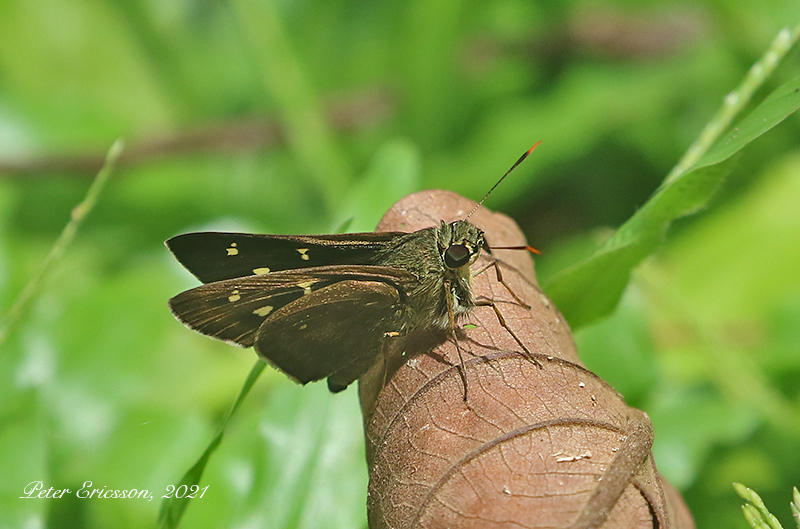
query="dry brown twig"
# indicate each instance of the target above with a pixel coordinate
(361, 109)
(530, 447)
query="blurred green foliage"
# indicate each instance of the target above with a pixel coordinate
(292, 117)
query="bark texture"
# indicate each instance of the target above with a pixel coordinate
(554, 446)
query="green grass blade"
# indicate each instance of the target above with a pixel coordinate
(172, 509)
(592, 288)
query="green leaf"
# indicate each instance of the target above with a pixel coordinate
(591, 289)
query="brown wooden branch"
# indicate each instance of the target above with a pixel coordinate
(554, 446)
(350, 112)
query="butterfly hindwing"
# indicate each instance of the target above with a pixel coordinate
(216, 256)
(313, 337)
(303, 321)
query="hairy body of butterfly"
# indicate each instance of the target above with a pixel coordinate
(323, 306)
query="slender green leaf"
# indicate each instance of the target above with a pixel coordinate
(779, 105)
(172, 508)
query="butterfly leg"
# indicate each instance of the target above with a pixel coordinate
(451, 316)
(502, 282)
(502, 320)
(386, 347)
(499, 274)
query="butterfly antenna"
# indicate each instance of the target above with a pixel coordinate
(502, 177)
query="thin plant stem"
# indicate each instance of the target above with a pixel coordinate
(735, 101)
(79, 213)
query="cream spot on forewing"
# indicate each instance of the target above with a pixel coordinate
(263, 311)
(303, 327)
(261, 271)
(233, 250)
(303, 254)
(234, 297)
(306, 286)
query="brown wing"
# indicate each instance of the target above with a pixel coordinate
(216, 256)
(335, 332)
(349, 307)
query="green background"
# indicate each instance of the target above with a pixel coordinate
(293, 117)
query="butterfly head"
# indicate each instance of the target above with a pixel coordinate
(460, 244)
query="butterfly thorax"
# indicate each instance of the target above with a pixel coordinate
(439, 258)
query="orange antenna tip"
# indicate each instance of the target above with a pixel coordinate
(529, 248)
(532, 148)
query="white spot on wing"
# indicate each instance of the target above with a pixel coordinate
(303, 254)
(263, 311)
(261, 271)
(234, 297)
(232, 250)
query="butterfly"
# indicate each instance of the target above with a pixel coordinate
(324, 306)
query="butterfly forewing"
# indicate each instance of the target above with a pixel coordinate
(215, 256)
(334, 332)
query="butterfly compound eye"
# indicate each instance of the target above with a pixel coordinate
(456, 256)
